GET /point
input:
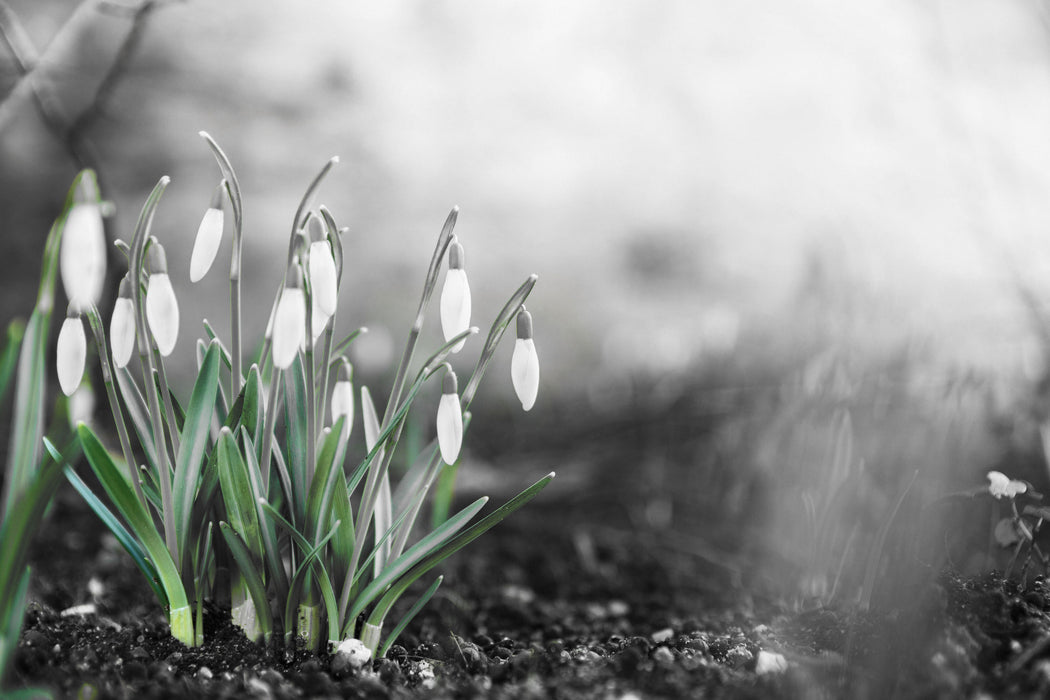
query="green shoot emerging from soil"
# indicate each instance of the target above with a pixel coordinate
(244, 492)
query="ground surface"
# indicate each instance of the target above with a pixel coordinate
(576, 596)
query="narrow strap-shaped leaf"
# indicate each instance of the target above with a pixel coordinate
(266, 527)
(413, 611)
(28, 417)
(120, 493)
(193, 442)
(452, 546)
(11, 617)
(136, 406)
(343, 542)
(243, 557)
(22, 522)
(329, 461)
(126, 539)
(410, 558)
(311, 564)
(16, 330)
(238, 496)
(295, 426)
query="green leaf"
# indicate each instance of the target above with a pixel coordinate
(295, 426)
(238, 496)
(403, 622)
(243, 557)
(451, 547)
(28, 420)
(329, 461)
(136, 406)
(116, 486)
(130, 544)
(266, 527)
(343, 542)
(12, 615)
(414, 554)
(194, 440)
(16, 330)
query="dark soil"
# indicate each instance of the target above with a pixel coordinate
(576, 596)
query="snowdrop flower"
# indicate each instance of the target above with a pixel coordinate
(455, 297)
(72, 352)
(524, 363)
(449, 419)
(320, 263)
(162, 309)
(289, 321)
(343, 397)
(1001, 485)
(82, 258)
(318, 321)
(209, 236)
(122, 326)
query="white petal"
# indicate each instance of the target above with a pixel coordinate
(343, 404)
(455, 306)
(288, 326)
(525, 371)
(71, 356)
(82, 258)
(318, 318)
(369, 418)
(162, 312)
(323, 284)
(206, 245)
(122, 332)
(450, 427)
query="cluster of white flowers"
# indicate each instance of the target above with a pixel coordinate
(83, 267)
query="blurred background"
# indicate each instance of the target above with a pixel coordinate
(792, 245)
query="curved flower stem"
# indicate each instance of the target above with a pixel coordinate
(169, 409)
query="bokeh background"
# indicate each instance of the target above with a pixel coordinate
(821, 214)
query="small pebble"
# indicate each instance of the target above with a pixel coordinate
(583, 655)
(738, 656)
(205, 673)
(350, 655)
(661, 636)
(663, 655)
(769, 662)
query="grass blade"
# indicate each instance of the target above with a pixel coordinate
(413, 611)
(243, 557)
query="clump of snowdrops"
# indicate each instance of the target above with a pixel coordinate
(244, 487)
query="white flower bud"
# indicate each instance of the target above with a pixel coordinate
(343, 398)
(449, 420)
(162, 312)
(289, 324)
(82, 258)
(72, 354)
(318, 320)
(209, 236)
(525, 363)
(122, 326)
(323, 284)
(455, 297)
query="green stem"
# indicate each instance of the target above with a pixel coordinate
(268, 428)
(95, 322)
(169, 409)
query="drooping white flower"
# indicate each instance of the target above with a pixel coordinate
(82, 257)
(455, 297)
(323, 278)
(525, 363)
(449, 419)
(122, 326)
(209, 236)
(72, 353)
(343, 397)
(162, 308)
(289, 322)
(1001, 485)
